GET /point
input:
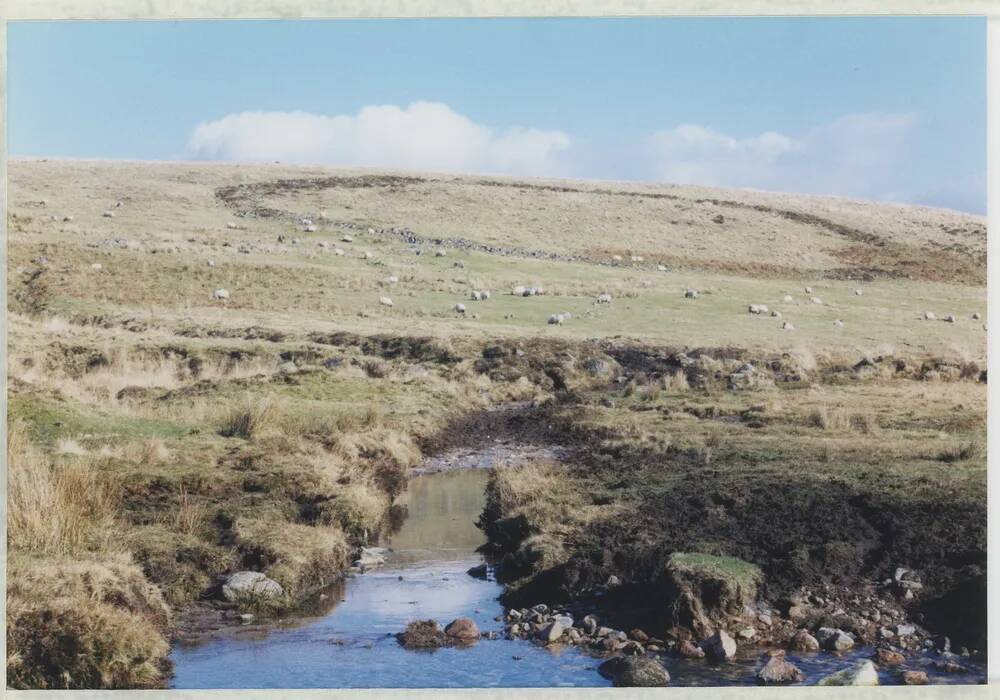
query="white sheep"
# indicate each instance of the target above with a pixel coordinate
(604, 298)
(220, 294)
(385, 301)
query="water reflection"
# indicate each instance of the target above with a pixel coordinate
(441, 512)
(351, 643)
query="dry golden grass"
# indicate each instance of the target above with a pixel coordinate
(58, 509)
(252, 417)
(302, 558)
(83, 623)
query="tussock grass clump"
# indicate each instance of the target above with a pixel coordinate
(359, 508)
(302, 558)
(251, 418)
(961, 453)
(90, 623)
(80, 614)
(842, 420)
(57, 509)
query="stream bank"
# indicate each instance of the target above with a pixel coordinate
(352, 643)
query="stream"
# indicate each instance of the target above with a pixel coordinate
(352, 644)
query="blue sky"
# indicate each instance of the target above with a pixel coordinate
(866, 107)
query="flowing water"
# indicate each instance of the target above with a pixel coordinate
(352, 645)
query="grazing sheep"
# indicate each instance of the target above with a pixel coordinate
(108, 214)
(338, 251)
(637, 259)
(604, 298)
(786, 326)
(616, 258)
(556, 319)
(518, 291)
(440, 253)
(232, 225)
(385, 301)
(460, 308)
(211, 263)
(929, 316)
(757, 309)
(367, 255)
(347, 238)
(296, 241)
(816, 300)
(485, 293)
(96, 266)
(838, 323)
(67, 219)
(371, 231)
(220, 294)
(322, 244)
(310, 229)
(976, 316)
(392, 279)
(949, 318)
(322, 215)
(476, 295)
(118, 204)
(661, 268)
(775, 314)
(857, 292)
(690, 293)
(788, 299)
(809, 290)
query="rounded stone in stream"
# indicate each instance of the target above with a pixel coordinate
(720, 646)
(551, 632)
(862, 673)
(634, 672)
(463, 629)
(834, 639)
(250, 584)
(803, 641)
(480, 571)
(689, 650)
(779, 670)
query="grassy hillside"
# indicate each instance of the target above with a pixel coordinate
(176, 437)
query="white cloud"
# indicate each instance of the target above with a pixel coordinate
(421, 136)
(857, 155)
